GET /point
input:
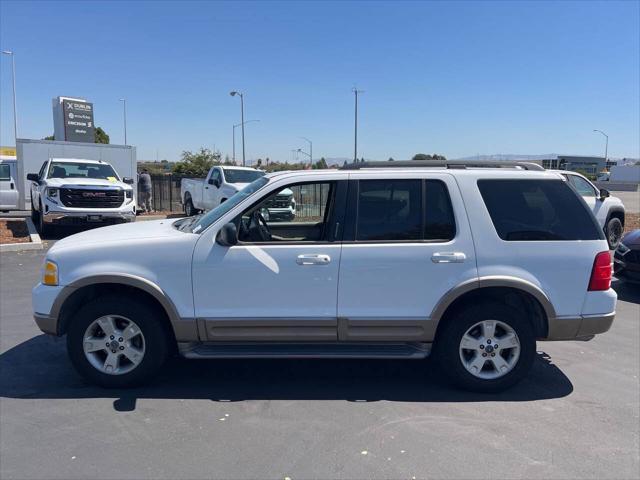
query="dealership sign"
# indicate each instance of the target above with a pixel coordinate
(78, 121)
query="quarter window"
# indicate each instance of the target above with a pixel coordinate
(529, 210)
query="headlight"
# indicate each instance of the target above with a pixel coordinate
(52, 192)
(129, 195)
(622, 248)
(50, 273)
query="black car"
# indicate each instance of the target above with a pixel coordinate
(626, 261)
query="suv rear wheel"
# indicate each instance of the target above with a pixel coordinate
(486, 348)
(116, 343)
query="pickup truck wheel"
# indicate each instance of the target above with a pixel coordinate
(486, 347)
(189, 210)
(614, 232)
(34, 216)
(115, 343)
(43, 228)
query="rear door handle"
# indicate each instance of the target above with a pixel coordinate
(313, 259)
(448, 257)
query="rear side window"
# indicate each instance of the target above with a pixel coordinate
(5, 171)
(404, 210)
(389, 210)
(530, 210)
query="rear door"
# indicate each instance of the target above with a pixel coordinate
(8, 186)
(407, 242)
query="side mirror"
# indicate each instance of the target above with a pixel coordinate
(127, 180)
(210, 182)
(217, 183)
(228, 235)
(34, 177)
(604, 193)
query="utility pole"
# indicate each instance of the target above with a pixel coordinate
(13, 77)
(233, 94)
(355, 139)
(124, 111)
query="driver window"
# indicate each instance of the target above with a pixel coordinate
(296, 213)
(583, 187)
(215, 176)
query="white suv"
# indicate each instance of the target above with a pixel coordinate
(471, 264)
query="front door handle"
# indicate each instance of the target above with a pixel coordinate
(313, 259)
(448, 257)
(11, 185)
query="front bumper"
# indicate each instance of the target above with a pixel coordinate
(47, 324)
(43, 299)
(625, 268)
(76, 218)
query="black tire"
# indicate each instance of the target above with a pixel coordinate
(34, 216)
(613, 231)
(43, 228)
(447, 346)
(189, 209)
(146, 316)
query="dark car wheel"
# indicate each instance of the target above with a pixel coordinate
(486, 347)
(189, 209)
(614, 232)
(117, 342)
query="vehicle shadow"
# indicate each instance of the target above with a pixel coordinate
(627, 292)
(39, 368)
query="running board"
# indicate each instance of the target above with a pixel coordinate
(305, 350)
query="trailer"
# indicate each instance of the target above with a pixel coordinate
(31, 154)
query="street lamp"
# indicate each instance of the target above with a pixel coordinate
(355, 140)
(234, 137)
(124, 112)
(13, 76)
(233, 94)
(606, 145)
(303, 152)
(310, 149)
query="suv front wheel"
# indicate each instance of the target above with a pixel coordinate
(486, 347)
(115, 342)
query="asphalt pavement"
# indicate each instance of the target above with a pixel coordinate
(576, 416)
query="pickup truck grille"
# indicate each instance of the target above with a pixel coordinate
(91, 198)
(280, 201)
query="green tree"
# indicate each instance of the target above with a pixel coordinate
(101, 136)
(424, 156)
(50, 137)
(320, 164)
(197, 164)
(390, 159)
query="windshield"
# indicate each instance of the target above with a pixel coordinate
(233, 175)
(101, 171)
(200, 222)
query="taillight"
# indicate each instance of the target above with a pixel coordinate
(601, 273)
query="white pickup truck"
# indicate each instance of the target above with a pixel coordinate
(222, 182)
(71, 191)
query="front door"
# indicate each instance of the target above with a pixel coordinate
(280, 281)
(8, 186)
(407, 243)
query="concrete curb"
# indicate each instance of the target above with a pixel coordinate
(34, 244)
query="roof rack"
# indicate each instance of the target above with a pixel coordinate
(461, 164)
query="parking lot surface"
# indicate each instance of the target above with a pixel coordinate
(576, 416)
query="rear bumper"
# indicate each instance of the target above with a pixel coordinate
(576, 328)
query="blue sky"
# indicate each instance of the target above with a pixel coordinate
(457, 78)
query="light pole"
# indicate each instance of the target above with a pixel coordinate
(355, 140)
(606, 145)
(234, 137)
(124, 112)
(304, 153)
(233, 94)
(310, 149)
(13, 76)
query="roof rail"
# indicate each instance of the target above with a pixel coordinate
(462, 164)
